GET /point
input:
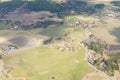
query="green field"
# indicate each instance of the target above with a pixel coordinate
(71, 19)
(42, 62)
(53, 31)
(72, 33)
(63, 58)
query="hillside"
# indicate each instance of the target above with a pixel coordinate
(59, 39)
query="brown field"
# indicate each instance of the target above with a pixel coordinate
(108, 32)
(21, 39)
(95, 76)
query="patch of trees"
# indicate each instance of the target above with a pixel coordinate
(9, 6)
(110, 67)
(117, 10)
(74, 4)
(66, 7)
(47, 5)
(42, 5)
(43, 24)
(79, 7)
(48, 41)
(98, 59)
(97, 47)
(116, 3)
(99, 6)
(106, 65)
(62, 9)
(90, 10)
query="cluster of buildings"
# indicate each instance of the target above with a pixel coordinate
(5, 50)
(85, 24)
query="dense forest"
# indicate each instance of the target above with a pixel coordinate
(78, 7)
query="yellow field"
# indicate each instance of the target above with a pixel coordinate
(43, 62)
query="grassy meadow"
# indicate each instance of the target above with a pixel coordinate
(43, 62)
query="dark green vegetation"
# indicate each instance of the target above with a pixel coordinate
(44, 5)
(47, 5)
(62, 9)
(106, 65)
(98, 47)
(117, 4)
(9, 6)
(111, 66)
(99, 60)
(99, 6)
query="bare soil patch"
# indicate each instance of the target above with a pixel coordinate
(2, 39)
(21, 39)
(95, 76)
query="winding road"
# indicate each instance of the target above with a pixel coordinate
(86, 57)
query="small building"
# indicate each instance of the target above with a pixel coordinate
(12, 47)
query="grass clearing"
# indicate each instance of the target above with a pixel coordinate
(43, 62)
(75, 34)
(71, 19)
(72, 33)
(54, 31)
